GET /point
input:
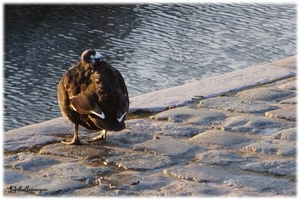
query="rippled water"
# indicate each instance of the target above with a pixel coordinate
(154, 46)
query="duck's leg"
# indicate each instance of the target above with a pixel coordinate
(75, 140)
(100, 137)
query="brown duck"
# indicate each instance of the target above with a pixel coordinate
(93, 94)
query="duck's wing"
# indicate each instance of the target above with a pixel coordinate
(83, 103)
(63, 98)
(80, 90)
(112, 97)
(122, 96)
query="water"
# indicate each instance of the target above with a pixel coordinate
(154, 46)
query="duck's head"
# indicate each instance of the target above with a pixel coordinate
(91, 56)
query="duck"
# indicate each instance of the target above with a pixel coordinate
(93, 94)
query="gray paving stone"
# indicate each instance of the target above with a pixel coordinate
(178, 114)
(221, 138)
(53, 127)
(17, 142)
(235, 104)
(278, 167)
(198, 173)
(128, 183)
(190, 116)
(170, 147)
(259, 185)
(13, 176)
(135, 160)
(128, 138)
(159, 128)
(288, 113)
(206, 117)
(96, 191)
(29, 161)
(289, 101)
(139, 180)
(292, 85)
(37, 134)
(219, 157)
(75, 171)
(272, 146)
(265, 94)
(252, 125)
(184, 188)
(286, 134)
(76, 151)
(50, 185)
(233, 180)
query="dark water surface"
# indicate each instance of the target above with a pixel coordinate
(154, 46)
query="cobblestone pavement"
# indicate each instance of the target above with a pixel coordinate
(239, 143)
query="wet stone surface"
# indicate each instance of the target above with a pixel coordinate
(241, 144)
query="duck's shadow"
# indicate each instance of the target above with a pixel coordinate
(103, 148)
